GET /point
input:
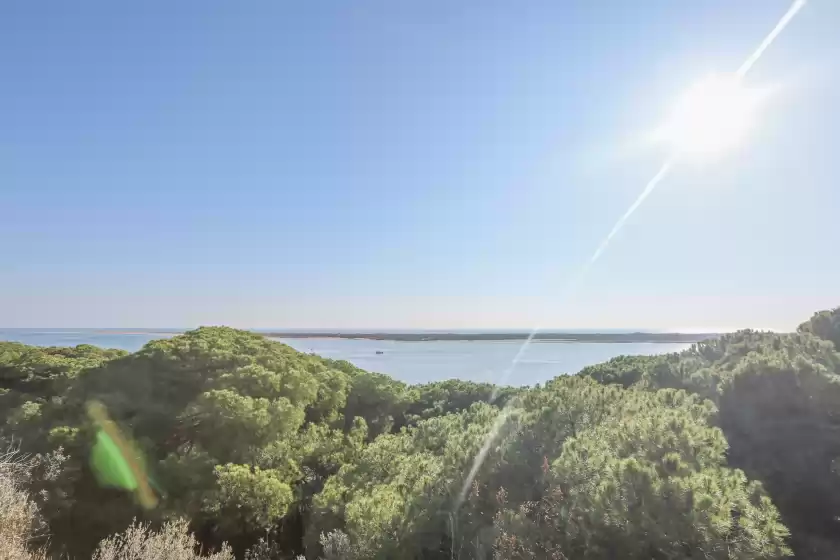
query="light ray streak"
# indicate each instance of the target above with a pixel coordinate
(581, 274)
(624, 217)
(753, 58)
(575, 281)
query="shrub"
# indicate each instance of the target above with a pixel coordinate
(172, 542)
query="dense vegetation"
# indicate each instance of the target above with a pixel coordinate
(727, 450)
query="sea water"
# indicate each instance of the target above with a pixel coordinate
(412, 362)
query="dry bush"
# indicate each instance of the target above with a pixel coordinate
(336, 546)
(172, 542)
(19, 519)
(20, 523)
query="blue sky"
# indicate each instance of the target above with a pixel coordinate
(407, 164)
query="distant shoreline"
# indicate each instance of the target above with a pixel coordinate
(546, 336)
(663, 338)
(137, 333)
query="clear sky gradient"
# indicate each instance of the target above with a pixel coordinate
(431, 164)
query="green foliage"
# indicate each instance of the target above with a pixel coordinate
(825, 325)
(280, 453)
(380, 400)
(779, 401)
(393, 499)
(34, 382)
(622, 370)
(445, 397)
(250, 499)
(45, 372)
(781, 418)
(232, 426)
(654, 485)
(584, 471)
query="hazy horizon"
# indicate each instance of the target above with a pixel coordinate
(367, 330)
(710, 314)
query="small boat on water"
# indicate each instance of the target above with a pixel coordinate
(380, 352)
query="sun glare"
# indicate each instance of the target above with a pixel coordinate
(712, 117)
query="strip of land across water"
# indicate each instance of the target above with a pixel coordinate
(547, 336)
(425, 336)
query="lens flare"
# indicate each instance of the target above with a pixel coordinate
(115, 461)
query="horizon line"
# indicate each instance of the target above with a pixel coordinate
(404, 330)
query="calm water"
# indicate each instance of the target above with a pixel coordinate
(106, 338)
(413, 362)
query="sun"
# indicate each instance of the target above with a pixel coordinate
(711, 118)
